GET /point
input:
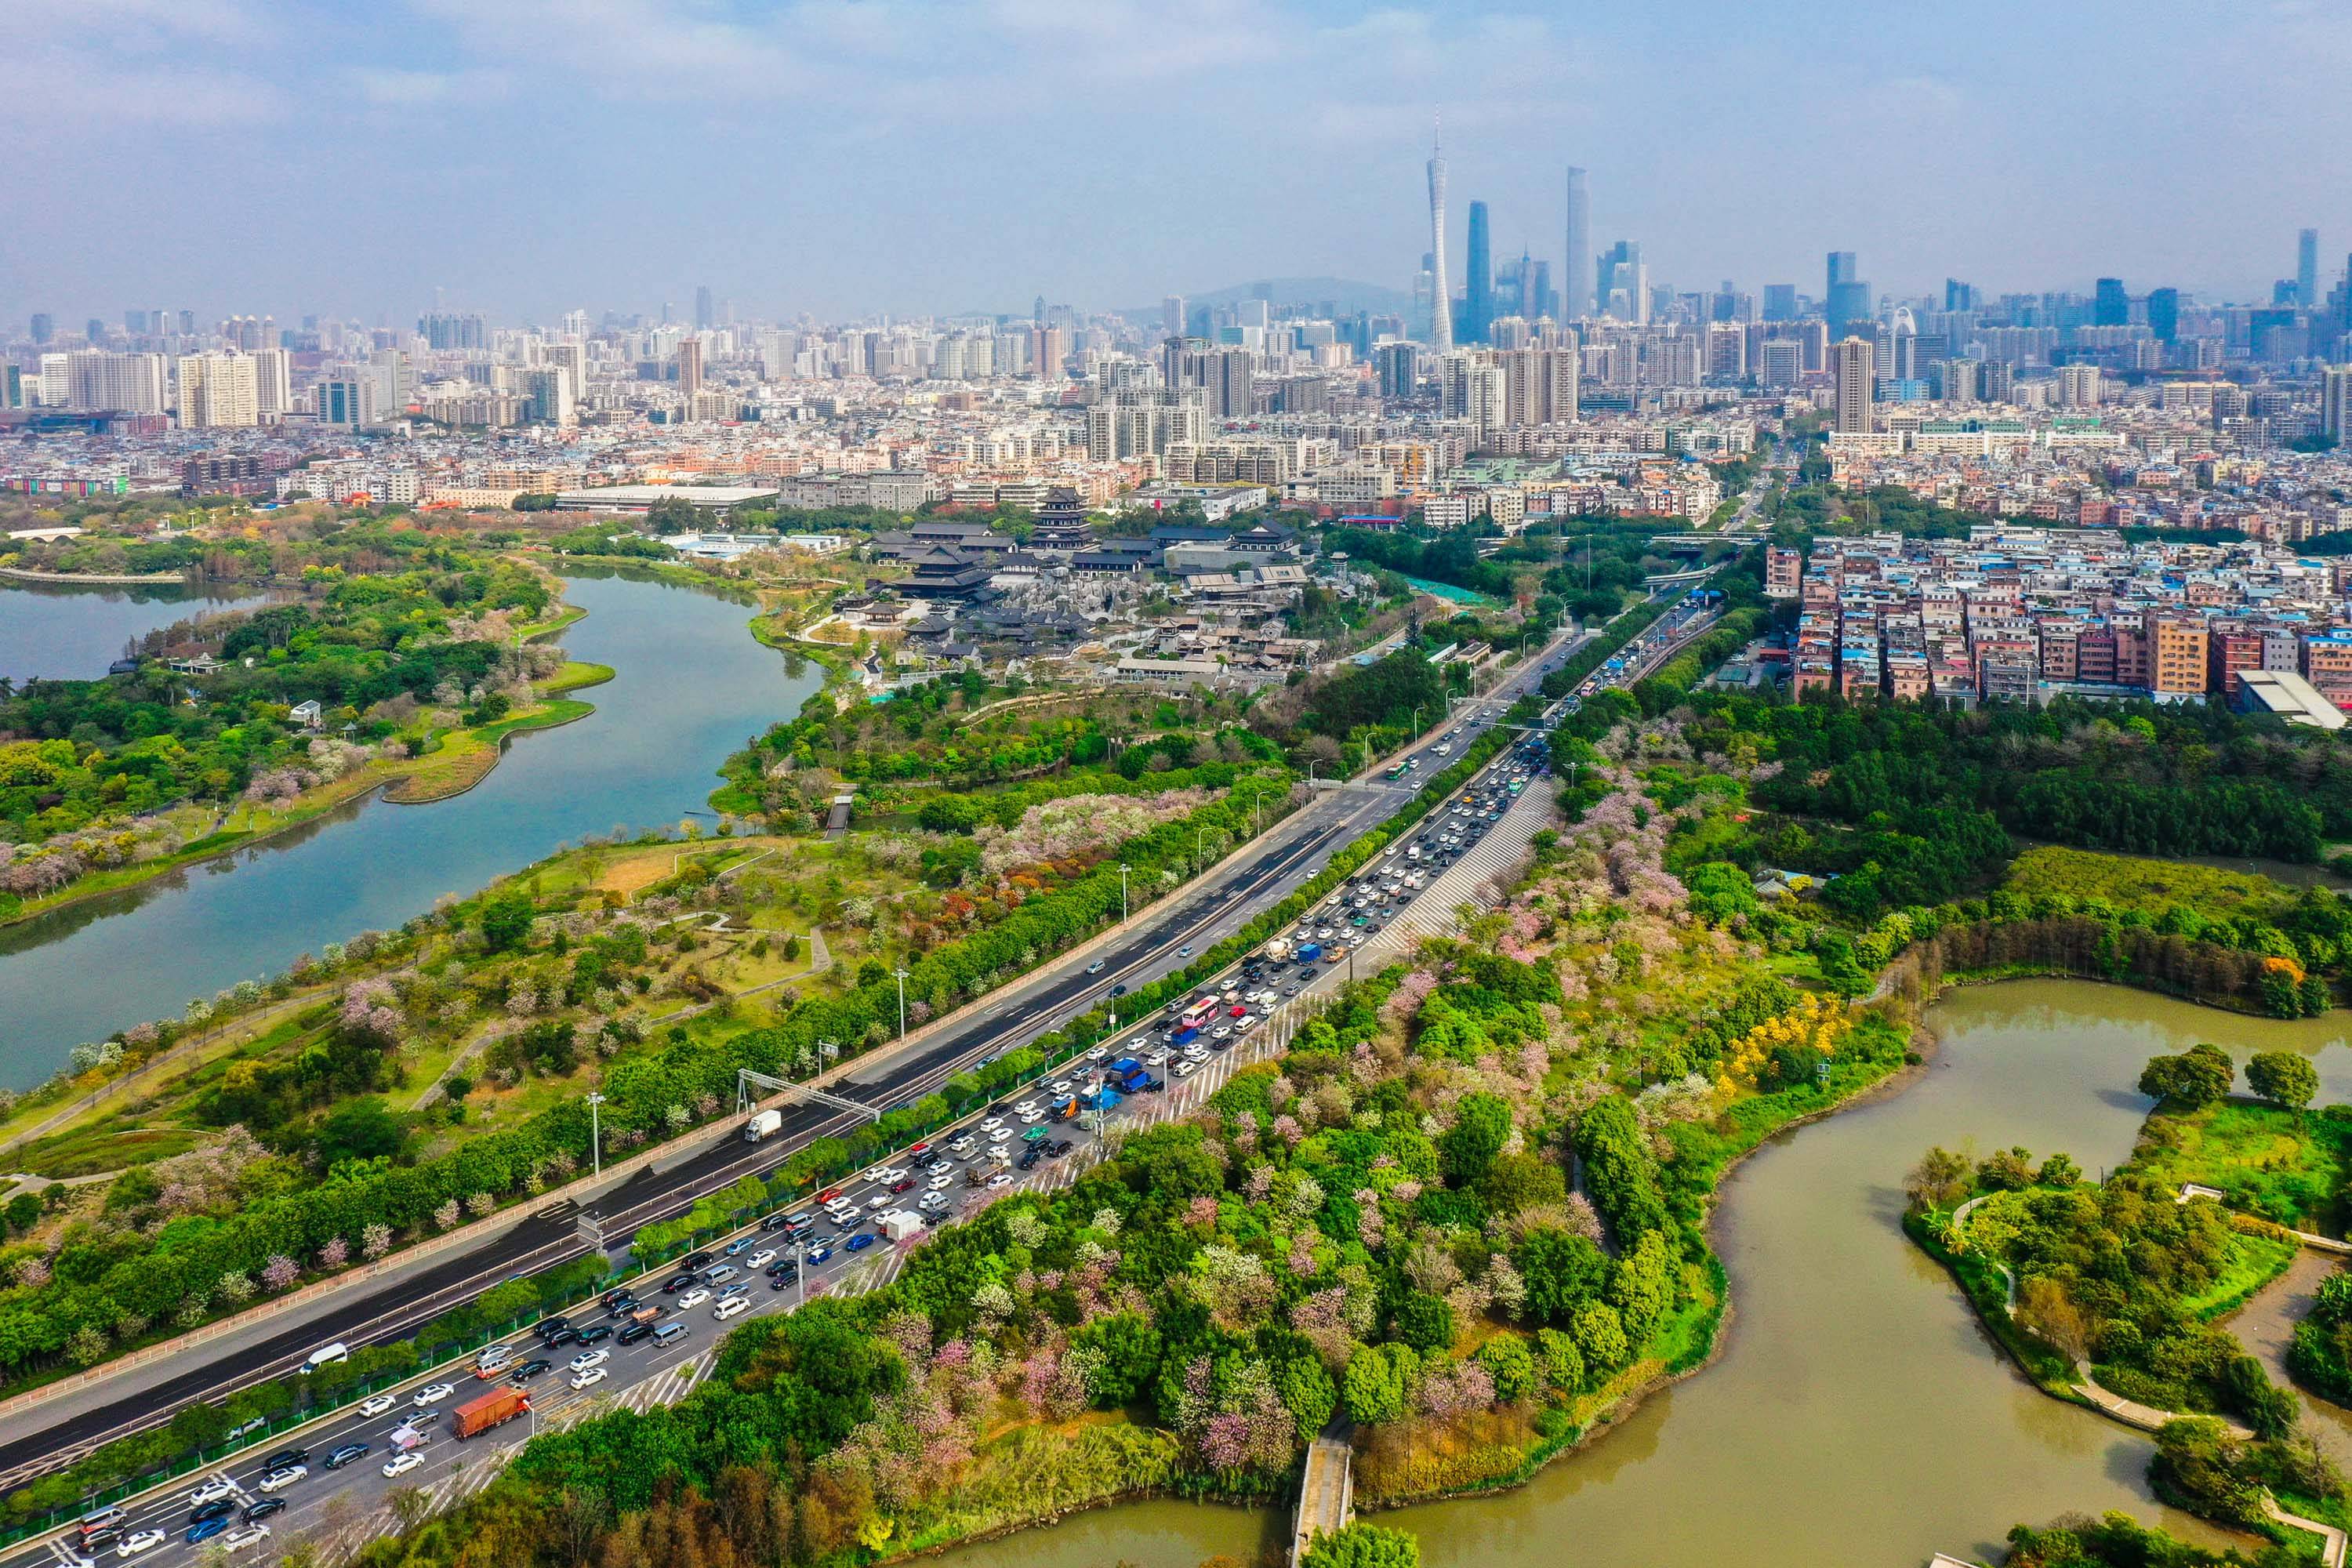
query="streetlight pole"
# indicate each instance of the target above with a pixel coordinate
(1122, 892)
(595, 1133)
(902, 1002)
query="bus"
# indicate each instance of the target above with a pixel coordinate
(1398, 771)
(1198, 1014)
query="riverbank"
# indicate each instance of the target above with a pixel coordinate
(461, 759)
(98, 579)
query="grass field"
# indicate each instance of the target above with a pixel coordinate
(2134, 882)
(2282, 1165)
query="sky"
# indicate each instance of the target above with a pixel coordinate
(365, 158)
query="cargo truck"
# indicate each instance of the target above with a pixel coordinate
(1309, 951)
(1278, 950)
(479, 1415)
(763, 1126)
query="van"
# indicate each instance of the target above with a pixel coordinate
(101, 1518)
(670, 1333)
(327, 1355)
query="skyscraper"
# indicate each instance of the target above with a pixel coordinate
(45, 327)
(2164, 315)
(218, 391)
(1856, 370)
(1171, 315)
(1478, 293)
(1779, 301)
(2336, 403)
(1847, 298)
(1441, 284)
(2110, 304)
(2306, 268)
(1576, 283)
(1621, 284)
(689, 371)
(702, 316)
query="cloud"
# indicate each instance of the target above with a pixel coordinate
(390, 87)
(59, 92)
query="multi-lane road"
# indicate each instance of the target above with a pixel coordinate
(45, 1435)
(340, 1508)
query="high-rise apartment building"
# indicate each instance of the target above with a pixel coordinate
(218, 392)
(45, 327)
(1393, 364)
(1479, 290)
(1781, 363)
(273, 381)
(1441, 285)
(1576, 283)
(345, 403)
(551, 398)
(96, 382)
(2335, 404)
(392, 382)
(2079, 386)
(1857, 372)
(2307, 270)
(1727, 352)
(1171, 315)
(689, 369)
(1539, 385)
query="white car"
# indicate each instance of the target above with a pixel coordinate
(1156, 1059)
(432, 1394)
(401, 1464)
(960, 1144)
(991, 1124)
(379, 1405)
(132, 1546)
(587, 1359)
(1099, 1054)
(758, 1260)
(1185, 1068)
(211, 1491)
(1026, 1107)
(932, 1201)
(878, 1200)
(589, 1377)
(734, 1306)
(1246, 1024)
(1060, 1085)
(878, 1173)
(1031, 1118)
(945, 1179)
(278, 1480)
(1000, 1180)
(998, 1134)
(251, 1535)
(694, 1298)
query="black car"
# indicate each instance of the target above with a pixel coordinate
(285, 1457)
(345, 1454)
(219, 1508)
(785, 1266)
(98, 1539)
(560, 1338)
(613, 1298)
(776, 1222)
(693, 1260)
(1028, 1161)
(782, 1281)
(529, 1370)
(596, 1333)
(620, 1309)
(635, 1331)
(677, 1282)
(548, 1327)
(263, 1509)
(1062, 1147)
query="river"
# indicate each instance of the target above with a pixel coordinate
(1857, 1414)
(59, 632)
(690, 686)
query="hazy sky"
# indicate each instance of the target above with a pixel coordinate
(839, 156)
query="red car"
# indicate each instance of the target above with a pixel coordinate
(904, 1185)
(827, 1196)
(920, 1150)
(1235, 1011)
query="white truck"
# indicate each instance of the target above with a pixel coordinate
(763, 1126)
(900, 1224)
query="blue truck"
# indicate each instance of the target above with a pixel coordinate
(1308, 952)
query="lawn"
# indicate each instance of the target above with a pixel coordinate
(2282, 1165)
(2254, 1262)
(2135, 882)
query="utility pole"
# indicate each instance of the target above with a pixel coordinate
(902, 1002)
(1122, 892)
(595, 1133)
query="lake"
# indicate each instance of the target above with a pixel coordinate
(61, 632)
(1857, 1413)
(690, 686)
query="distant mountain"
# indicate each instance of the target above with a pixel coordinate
(1347, 295)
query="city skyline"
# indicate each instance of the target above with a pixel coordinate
(670, 154)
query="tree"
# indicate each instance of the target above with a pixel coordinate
(1939, 1181)
(359, 1129)
(1363, 1546)
(2191, 1081)
(1600, 1336)
(505, 921)
(2284, 1077)
(1482, 1124)
(1129, 1348)
(1379, 1383)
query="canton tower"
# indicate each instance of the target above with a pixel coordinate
(1441, 307)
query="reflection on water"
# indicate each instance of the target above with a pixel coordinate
(1857, 1413)
(59, 632)
(690, 687)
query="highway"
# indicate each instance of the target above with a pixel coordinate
(47, 1435)
(340, 1509)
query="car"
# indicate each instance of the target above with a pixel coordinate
(1000, 1180)
(1061, 1088)
(943, 1182)
(278, 1480)
(734, 1306)
(991, 1123)
(620, 1309)
(596, 1334)
(141, 1540)
(1061, 1147)
(263, 1509)
(785, 1266)
(251, 1535)
(529, 1370)
(219, 1508)
(345, 1454)
(1183, 952)
(783, 1281)
(432, 1394)
(206, 1531)
(285, 1457)
(1029, 1158)
(560, 1338)
(860, 1242)
(1100, 1053)
(741, 1245)
(588, 1377)
(1118, 990)
(1185, 1068)
(903, 1184)
(248, 1428)
(677, 1282)
(998, 1134)
(1156, 1059)
(548, 1327)
(775, 1221)
(634, 1332)
(379, 1405)
(720, 1275)
(1033, 1117)
(1026, 1107)
(819, 1254)
(211, 1490)
(960, 1144)
(1095, 967)
(587, 1359)
(934, 1199)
